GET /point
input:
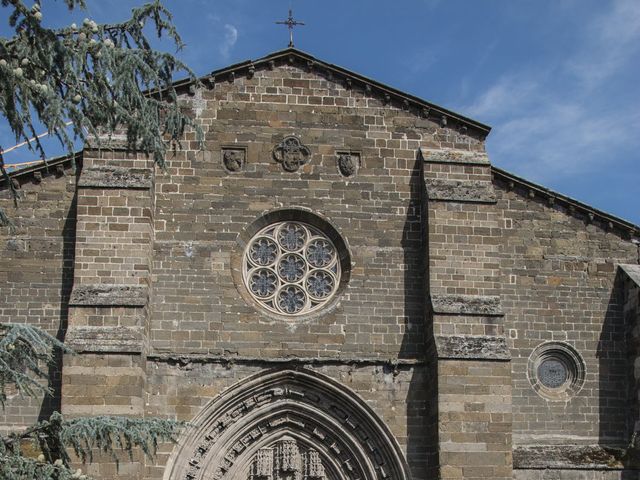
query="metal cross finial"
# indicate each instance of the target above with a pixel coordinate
(290, 23)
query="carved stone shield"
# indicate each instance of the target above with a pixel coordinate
(233, 159)
(291, 154)
(346, 165)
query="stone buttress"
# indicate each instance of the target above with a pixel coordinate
(108, 319)
(474, 373)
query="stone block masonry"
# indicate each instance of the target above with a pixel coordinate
(457, 283)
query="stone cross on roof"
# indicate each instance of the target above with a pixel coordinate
(290, 23)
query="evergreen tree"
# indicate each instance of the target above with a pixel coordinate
(24, 350)
(100, 78)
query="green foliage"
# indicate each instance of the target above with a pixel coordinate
(23, 350)
(14, 467)
(99, 77)
(109, 434)
(102, 79)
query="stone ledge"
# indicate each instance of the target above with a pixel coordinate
(460, 191)
(472, 347)
(455, 156)
(466, 305)
(109, 296)
(568, 457)
(115, 177)
(633, 271)
(113, 142)
(105, 339)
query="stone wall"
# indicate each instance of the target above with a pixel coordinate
(474, 382)
(559, 287)
(204, 210)
(36, 269)
(453, 277)
(629, 276)
(177, 388)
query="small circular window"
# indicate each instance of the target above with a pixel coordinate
(556, 371)
(291, 268)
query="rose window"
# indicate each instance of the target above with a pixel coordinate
(291, 268)
(556, 371)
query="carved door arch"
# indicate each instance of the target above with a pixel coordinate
(287, 425)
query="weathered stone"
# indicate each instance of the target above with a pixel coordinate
(233, 159)
(633, 271)
(466, 304)
(16, 245)
(448, 406)
(461, 191)
(114, 143)
(109, 295)
(455, 156)
(115, 177)
(567, 456)
(105, 339)
(472, 347)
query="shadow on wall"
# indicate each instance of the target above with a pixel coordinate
(422, 395)
(52, 402)
(616, 353)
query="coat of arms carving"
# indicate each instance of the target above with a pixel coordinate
(233, 159)
(348, 164)
(291, 154)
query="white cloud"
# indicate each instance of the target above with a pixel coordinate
(511, 93)
(230, 39)
(432, 4)
(611, 41)
(562, 120)
(563, 139)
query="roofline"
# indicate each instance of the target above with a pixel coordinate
(590, 213)
(572, 204)
(56, 164)
(427, 109)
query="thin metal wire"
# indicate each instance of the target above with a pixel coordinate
(27, 142)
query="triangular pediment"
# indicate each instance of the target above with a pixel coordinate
(349, 79)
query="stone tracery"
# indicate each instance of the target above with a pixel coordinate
(288, 425)
(291, 268)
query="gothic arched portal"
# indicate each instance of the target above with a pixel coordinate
(287, 425)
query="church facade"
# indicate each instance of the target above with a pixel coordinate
(339, 285)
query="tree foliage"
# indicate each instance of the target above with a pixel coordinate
(23, 350)
(80, 82)
(99, 77)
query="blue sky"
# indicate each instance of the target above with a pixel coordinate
(558, 80)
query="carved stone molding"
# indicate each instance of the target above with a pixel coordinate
(287, 424)
(100, 295)
(348, 163)
(291, 153)
(481, 347)
(234, 158)
(105, 339)
(454, 156)
(116, 177)
(460, 191)
(450, 304)
(569, 457)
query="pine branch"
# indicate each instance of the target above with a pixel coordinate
(16, 467)
(107, 434)
(23, 351)
(101, 77)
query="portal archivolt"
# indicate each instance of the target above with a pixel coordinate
(287, 425)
